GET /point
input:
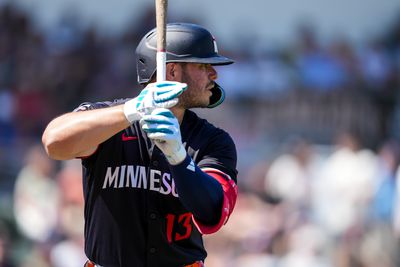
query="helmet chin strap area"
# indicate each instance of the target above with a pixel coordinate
(217, 97)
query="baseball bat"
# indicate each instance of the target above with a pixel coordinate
(161, 30)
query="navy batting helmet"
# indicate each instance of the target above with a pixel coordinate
(185, 43)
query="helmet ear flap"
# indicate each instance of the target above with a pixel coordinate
(217, 97)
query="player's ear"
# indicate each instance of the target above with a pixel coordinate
(173, 72)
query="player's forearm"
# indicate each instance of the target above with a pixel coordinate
(200, 193)
(74, 134)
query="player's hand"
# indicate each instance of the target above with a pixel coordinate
(154, 95)
(163, 128)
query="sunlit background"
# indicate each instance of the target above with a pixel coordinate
(312, 104)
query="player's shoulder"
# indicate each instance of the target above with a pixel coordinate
(206, 128)
(102, 104)
(193, 121)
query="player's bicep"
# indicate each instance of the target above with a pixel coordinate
(91, 106)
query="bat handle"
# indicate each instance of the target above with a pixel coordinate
(161, 66)
(161, 28)
(161, 25)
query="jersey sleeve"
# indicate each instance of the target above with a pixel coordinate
(220, 153)
(219, 161)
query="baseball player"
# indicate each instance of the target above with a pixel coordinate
(156, 177)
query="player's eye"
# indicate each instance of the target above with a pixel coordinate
(204, 66)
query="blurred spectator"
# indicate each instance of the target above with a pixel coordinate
(240, 79)
(274, 76)
(248, 236)
(396, 218)
(5, 260)
(36, 196)
(345, 186)
(307, 245)
(290, 176)
(375, 65)
(318, 69)
(66, 36)
(378, 247)
(7, 125)
(69, 251)
(385, 182)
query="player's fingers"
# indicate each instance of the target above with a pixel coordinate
(163, 112)
(157, 128)
(160, 121)
(160, 97)
(167, 91)
(159, 115)
(170, 86)
(158, 136)
(156, 119)
(168, 104)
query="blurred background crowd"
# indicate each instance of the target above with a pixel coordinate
(316, 124)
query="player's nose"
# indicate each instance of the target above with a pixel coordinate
(212, 73)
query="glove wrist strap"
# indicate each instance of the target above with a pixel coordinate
(177, 157)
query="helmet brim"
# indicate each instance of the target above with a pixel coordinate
(214, 60)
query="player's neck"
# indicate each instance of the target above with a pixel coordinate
(178, 112)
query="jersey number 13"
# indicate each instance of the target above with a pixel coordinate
(174, 221)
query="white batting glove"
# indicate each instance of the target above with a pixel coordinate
(163, 128)
(154, 95)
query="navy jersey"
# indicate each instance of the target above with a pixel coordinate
(133, 215)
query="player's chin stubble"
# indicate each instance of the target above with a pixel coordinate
(191, 97)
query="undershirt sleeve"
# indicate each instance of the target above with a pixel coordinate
(198, 192)
(210, 195)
